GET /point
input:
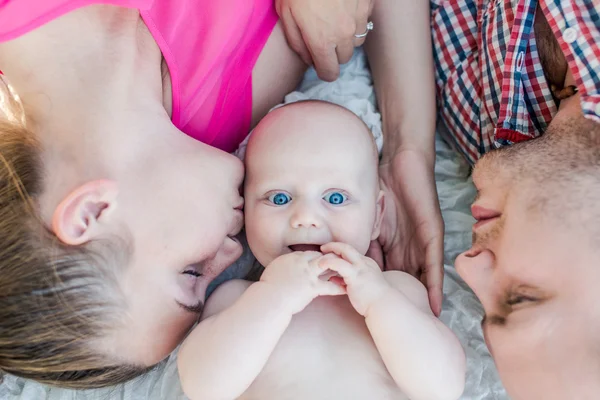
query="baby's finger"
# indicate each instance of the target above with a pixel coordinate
(338, 280)
(330, 289)
(326, 257)
(310, 256)
(342, 267)
(343, 250)
(328, 274)
(317, 265)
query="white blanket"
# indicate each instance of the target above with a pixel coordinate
(462, 312)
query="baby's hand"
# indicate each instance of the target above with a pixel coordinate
(364, 280)
(297, 277)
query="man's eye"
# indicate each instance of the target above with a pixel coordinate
(335, 198)
(517, 299)
(279, 198)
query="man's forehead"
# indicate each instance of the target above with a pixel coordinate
(507, 157)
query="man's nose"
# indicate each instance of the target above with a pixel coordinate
(476, 268)
(305, 216)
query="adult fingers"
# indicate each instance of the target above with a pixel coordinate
(434, 274)
(344, 50)
(344, 44)
(294, 35)
(363, 12)
(324, 57)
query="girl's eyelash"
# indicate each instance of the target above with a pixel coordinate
(192, 273)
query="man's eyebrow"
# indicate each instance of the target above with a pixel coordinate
(502, 305)
(493, 320)
(195, 309)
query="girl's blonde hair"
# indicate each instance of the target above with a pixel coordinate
(56, 301)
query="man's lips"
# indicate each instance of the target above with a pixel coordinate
(483, 215)
(305, 247)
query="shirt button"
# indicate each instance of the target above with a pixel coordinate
(570, 35)
(597, 109)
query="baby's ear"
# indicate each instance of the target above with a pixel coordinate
(378, 215)
(80, 215)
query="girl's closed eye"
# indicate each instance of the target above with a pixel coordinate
(193, 273)
(279, 198)
(335, 198)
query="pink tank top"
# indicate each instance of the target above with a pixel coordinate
(210, 47)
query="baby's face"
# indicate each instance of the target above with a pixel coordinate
(311, 179)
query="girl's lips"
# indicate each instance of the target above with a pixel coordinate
(240, 204)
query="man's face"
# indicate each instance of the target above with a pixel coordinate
(535, 268)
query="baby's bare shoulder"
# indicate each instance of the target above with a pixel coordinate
(410, 287)
(224, 296)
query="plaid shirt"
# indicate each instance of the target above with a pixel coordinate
(490, 83)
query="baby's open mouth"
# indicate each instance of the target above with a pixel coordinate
(305, 247)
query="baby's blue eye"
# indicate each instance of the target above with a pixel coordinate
(279, 199)
(335, 198)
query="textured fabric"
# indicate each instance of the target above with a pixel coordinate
(210, 48)
(491, 86)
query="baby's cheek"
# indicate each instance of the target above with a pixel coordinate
(265, 238)
(362, 245)
(351, 233)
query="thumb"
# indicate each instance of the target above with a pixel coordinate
(434, 274)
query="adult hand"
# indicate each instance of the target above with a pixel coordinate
(412, 231)
(322, 31)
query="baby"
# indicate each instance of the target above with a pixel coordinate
(323, 322)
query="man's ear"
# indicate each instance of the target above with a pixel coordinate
(379, 215)
(78, 218)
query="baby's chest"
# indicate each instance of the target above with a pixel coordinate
(326, 353)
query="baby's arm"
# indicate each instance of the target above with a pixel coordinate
(225, 353)
(422, 355)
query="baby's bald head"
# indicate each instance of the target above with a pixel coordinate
(314, 129)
